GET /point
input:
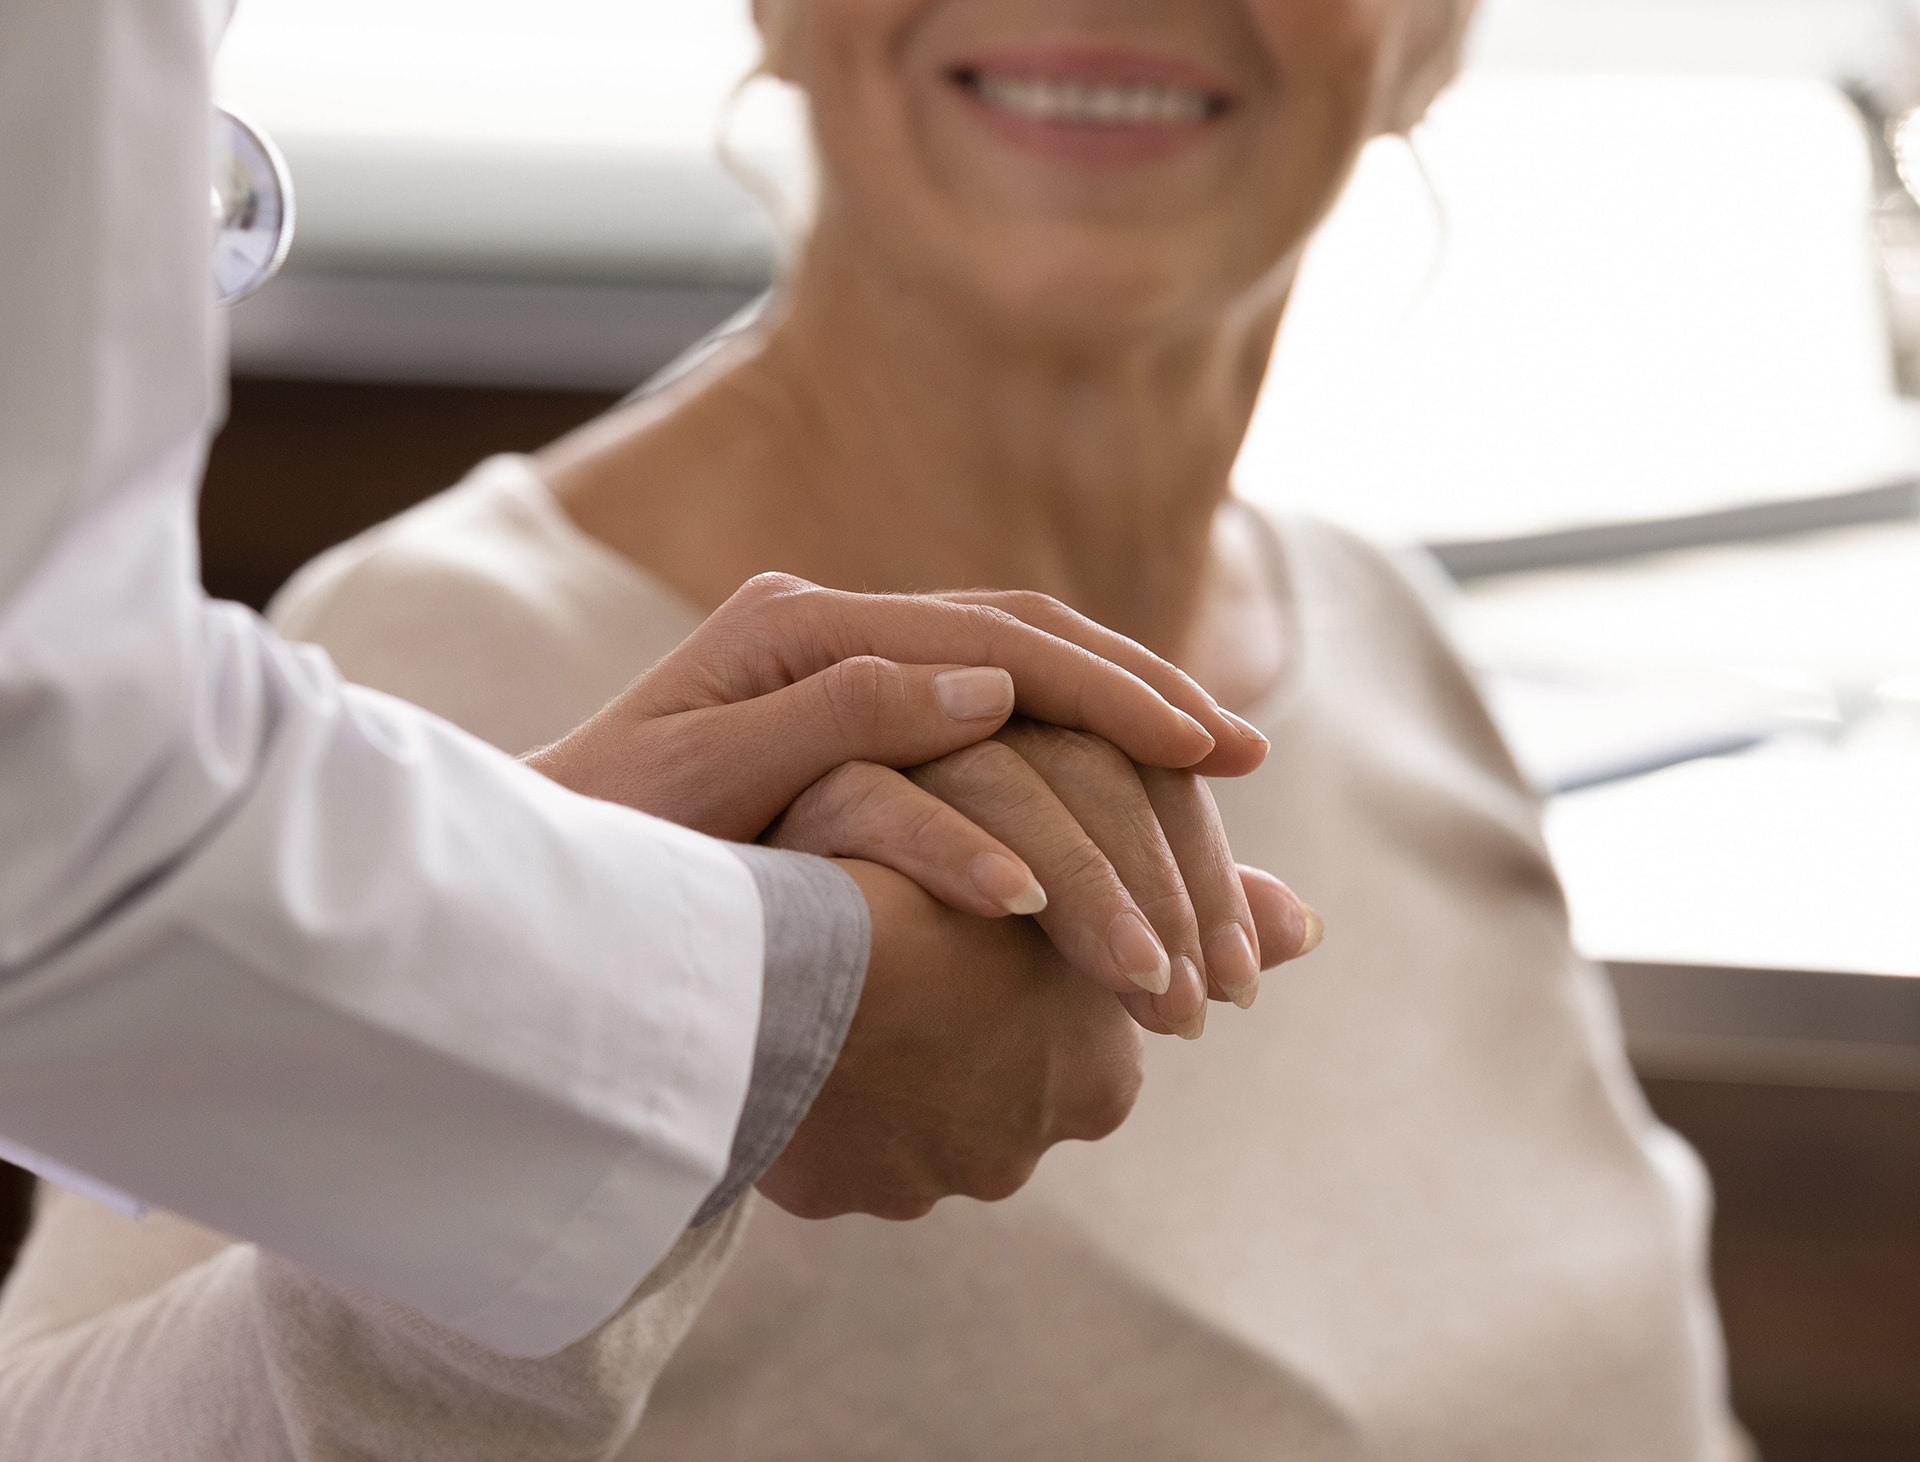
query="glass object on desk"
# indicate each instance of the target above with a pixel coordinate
(1886, 93)
(252, 208)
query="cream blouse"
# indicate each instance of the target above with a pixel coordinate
(1410, 1206)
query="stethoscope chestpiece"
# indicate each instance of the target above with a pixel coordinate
(252, 208)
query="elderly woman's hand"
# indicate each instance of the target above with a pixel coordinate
(1141, 889)
(787, 680)
(1118, 848)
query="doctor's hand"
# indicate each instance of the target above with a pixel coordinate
(787, 681)
(973, 1050)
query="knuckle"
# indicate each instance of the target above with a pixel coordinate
(1182, 797)
(860, 691)
(878, 808)
(1081, 864)
(1063, 751)
(922, 826)
(840, 814)
(845, 793)
(1095, 755)
(762, 588)
(1106, 1116)
(874, 814)
(901, 1208)
(812, 1206)
(992, 620)
(991, 1182)
(853, 783)
(984, 763)
(802, 827)
(1030, 605)
(1168, 907)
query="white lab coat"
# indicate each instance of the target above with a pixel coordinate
(285, 956)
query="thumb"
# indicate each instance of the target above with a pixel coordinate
(730, 770)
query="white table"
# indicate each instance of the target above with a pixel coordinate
(1761, 912)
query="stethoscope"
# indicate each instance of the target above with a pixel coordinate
(252, 208)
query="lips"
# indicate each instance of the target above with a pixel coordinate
(1093, 104)
(1075, 102)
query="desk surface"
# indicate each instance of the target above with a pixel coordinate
(1761, 911)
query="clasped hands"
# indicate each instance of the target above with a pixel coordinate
(971, 759)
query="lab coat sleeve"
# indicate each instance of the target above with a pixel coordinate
(243, 1355)
(288, 957)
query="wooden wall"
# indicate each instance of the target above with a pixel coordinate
(1816, 1261)
(302, 465)
(1817, 1229)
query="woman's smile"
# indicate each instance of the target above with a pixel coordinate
(1091, 104)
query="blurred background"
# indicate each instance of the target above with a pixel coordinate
(1622, 351)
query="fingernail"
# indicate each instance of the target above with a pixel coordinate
(1204, 732)
(1007, 883)
(1193, 1029)
(977, 693)
(1139, 954)
(1316, 930)
(1245, 728)
(1233, 964)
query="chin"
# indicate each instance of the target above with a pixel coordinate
(1100, 298)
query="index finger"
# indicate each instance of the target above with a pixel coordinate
(778, 630)
(1239, 748)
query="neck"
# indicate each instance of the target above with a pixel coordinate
(957, 457)
(880, 440)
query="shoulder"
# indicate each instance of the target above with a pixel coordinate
(1373, 629)
(457, 569)
(476, 605)
(1404, 583)
(1384, 605)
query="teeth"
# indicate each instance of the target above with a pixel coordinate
(1100, 104)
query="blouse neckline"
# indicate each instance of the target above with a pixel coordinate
(624, 577)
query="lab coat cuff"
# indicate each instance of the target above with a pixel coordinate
(818, 935)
